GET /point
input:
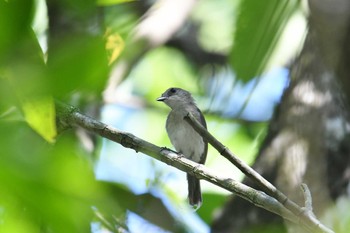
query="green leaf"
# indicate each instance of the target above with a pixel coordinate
(114, 46)
(258, 28)
(111, 2)
(212, 202)
(160, 68)
(25, 84)
(78, 63)
(40, 115)
(47, 188)
(14, 17)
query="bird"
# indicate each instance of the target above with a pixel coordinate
(183, 137)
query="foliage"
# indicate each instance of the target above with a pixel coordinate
(51, 187)
(252, 50)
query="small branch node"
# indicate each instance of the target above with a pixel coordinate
(307, 197)
(163, 149)
(223, 150)
(179, 156)
(195, 170)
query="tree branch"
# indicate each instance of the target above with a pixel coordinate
(308, 220)
(70, 117)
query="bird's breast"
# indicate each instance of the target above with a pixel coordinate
(184, 138)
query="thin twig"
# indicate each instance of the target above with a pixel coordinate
(307, 197)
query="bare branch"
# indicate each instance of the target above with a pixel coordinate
(72, 117)
(308, 221)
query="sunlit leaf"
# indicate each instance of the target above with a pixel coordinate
(23, 80)
(40, 115)
(114, 46)
(25, 85)
(258, 28)
(111, 2)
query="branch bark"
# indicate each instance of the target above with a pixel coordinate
(304, 214)
(69, 117)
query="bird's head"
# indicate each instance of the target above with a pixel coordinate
(176, 98)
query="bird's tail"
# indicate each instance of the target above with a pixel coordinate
(194, 192)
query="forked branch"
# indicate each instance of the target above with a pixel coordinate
(274, 201)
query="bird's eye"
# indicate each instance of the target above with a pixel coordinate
(172, 90)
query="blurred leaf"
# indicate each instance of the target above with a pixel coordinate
(47, 187)
(78, 63)
(121, 19)
(259, 26)
(41, 116)
(24, 75)
(7, 98)
(163, 68)
(114, 46)
(213, 202)
(111, 2)
(210, 14)
(24, 79)
(146, 206)
(337, 216)
(15, 16)
(152, 209)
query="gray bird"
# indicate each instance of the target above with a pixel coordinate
(183, 137)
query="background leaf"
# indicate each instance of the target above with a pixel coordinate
(83, 69)
(111, 2)
(259, 26)
(41, 116)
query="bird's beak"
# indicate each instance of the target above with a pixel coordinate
(162, 98)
